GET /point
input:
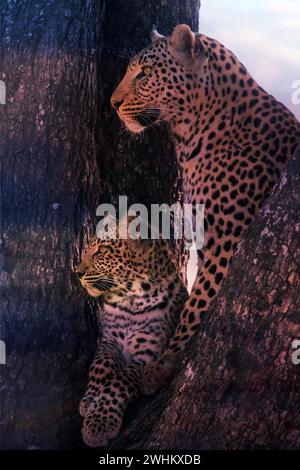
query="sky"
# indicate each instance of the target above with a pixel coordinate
(265, 36)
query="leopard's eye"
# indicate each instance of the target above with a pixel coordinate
(144, 72)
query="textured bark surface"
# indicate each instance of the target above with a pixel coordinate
(49, 191)
(238, 387)
(63, 154)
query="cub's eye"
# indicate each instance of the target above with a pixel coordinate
(145, 71)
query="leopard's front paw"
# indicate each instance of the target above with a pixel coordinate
(101, 425)
(156, 374)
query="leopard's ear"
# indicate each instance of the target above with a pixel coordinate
(155, 36)
(182, 38)
(106, 228)
(185, 46)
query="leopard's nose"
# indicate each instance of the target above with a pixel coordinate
(116, 103)
(80, 271)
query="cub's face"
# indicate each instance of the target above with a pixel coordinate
(159, 80)
(105, 267)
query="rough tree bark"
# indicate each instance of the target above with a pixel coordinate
(49, 191)
(63, 154)
(238, 387)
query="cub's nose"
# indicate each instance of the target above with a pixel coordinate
(116, 103)
(80, 271)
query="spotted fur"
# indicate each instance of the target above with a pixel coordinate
(232, 141)
(142, 295)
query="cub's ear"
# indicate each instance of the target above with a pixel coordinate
(155, 36)
(185, 45)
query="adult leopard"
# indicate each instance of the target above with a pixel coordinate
(143, 295)
(232, 141)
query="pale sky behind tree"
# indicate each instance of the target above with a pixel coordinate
(264, 35)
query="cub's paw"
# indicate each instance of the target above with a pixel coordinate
(156, 374)
(100, 426)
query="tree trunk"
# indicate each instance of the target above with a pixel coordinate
(49, 191)
(63, 154)
(239, 387)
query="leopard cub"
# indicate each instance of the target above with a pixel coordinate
(143, 296)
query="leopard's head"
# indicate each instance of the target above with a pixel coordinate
(106, 267)
(161, 80)
(123, 267)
